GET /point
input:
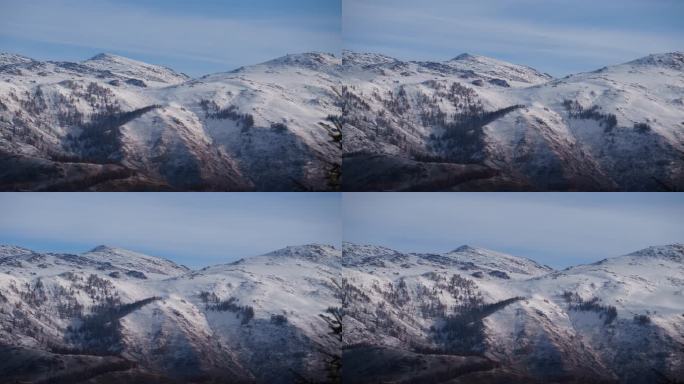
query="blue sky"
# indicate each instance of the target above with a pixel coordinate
(557, 229)
(554, 36)
(195, 229)
(200, 37)
(198, 229)
(195, 37)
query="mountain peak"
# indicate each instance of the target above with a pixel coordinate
(13, 250)
(366, 254)
(467, 248)
(313, 60)
(466, 56)
(104, 56)
(307, 251)
(365, 58)
(470, 57)
(116, 61)
(349, 247)
(133, 260)
(498, 260)
(130, 68)
(111, 59)
(103, 248)
(673, 252)
(495, 68)
(673, 60)
(12, 58)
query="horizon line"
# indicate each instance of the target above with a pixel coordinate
(341, 56)
(341, 249)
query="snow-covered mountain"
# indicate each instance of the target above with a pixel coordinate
(512, 320)
(470, 315)
(469, 123)
(476, 123)
(111, 313)
(112, 123)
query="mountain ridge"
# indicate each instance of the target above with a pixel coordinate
(440, 124)
(230, 319)
(379, 251)
(577, 325)
(112, 123)
(473, 123)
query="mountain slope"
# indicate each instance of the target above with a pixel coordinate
(617, 128)
(255, 319)
(616, 320)
(135, 71)
(467, 315)
(112, 123)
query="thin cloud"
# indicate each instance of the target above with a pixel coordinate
(438, 30)
(555, 229)
(235, 41)
(194, 228)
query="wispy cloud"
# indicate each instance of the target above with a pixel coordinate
(558, 229)
(229, 40)
(532, 31)
(192, 228)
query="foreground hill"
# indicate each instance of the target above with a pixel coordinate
(111, 312)
(619, 320)
(464, 316)
(469, 123)
(112, 123)
(476, 123)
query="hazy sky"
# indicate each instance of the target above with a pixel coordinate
(196, 37)
(198, 229)
(195, 229)
(554, 36)
(557, 229)
(200, 37)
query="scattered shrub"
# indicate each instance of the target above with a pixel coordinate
(500, 83)
(463, 332)
(100, 332)
(576, 111)
(212, 110)
(102, 132)
(137, 83)
(499, 274)
(279, 127)
(642, 127)
(213, 303)
(136, 274)
(278, 319)
(575, 302)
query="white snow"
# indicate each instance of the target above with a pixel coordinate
(299, 283)
(179, 145)
(540, 146)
